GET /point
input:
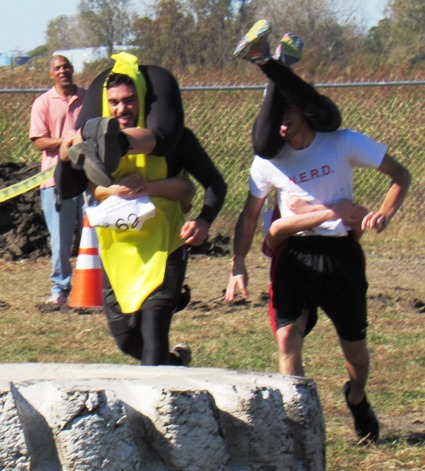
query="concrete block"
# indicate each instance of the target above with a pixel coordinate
(133, 418)
(14, 454)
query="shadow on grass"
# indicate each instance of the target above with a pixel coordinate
(412, 439)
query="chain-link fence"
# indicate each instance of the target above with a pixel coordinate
(222, 117)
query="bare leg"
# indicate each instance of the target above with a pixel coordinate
(290, 341)
(366, 423)
(357, 364)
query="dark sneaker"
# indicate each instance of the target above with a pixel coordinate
(289, 50)
(366, 424)
(183, 353)
(104, 132)
(84, 157)
(254, 46)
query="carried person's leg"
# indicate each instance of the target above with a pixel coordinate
(320, 110)
(266, 139)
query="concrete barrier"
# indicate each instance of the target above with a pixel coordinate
(73, 417)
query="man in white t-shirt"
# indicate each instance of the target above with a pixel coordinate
(321, 263)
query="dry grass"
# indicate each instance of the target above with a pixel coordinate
(239, 337)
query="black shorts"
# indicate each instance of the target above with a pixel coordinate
(325, 272)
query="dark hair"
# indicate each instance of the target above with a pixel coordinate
(114, 80)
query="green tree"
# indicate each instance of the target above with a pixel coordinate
(218, 26)
(328, 27)
(65, 32)
(107, 22)
(379, 39)
(163, 37)
(407, 19)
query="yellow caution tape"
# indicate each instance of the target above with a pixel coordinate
(25, 185)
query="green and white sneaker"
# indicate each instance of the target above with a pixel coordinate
(254, 46)
(289, 50)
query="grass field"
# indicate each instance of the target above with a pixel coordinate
(239, 337)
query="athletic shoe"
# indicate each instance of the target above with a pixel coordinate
(56, 300)
(289, 50)
(104, 132)
(183, 353)
(366, 424)
(84, 157)
(254, 46)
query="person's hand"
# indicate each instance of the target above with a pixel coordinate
(195, 232)
(375, 220)
(67, 142)
(238, 281)
(132, 185)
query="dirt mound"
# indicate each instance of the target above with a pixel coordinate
(23, 232)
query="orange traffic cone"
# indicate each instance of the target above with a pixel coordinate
(87, 282)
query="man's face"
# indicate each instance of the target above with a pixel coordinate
(61, 71)
(293, 122)
(124, 105)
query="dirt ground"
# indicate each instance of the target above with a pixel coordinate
(396, 296)
(395, 281)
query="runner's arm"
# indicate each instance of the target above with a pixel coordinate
(400, 182)
(244, 235)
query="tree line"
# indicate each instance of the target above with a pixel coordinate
(201, 34)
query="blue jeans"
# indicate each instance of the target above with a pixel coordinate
(62, 225)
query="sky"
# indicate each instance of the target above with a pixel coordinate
(24, 22)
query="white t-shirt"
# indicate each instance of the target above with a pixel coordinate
(320, 173)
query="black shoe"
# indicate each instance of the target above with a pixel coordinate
(84, 157)
(366, 424)
(105, 134)
(182, 354)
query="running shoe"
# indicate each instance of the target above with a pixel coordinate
(84, 156)
(366, 424)
(105, 133)
(254, 46)
(289, 50)
(183, 353)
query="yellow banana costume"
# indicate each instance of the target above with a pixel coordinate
(135, 260)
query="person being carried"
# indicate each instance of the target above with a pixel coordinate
(284, 86)
(53, 117)
(312, 217)
(323, 269)
(144, 270)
